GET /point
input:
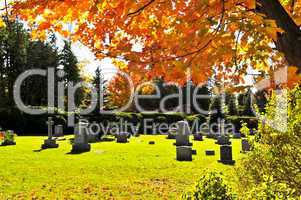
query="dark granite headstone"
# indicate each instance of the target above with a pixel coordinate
(184, 153)
(226, 155)
(198, 137)
(236, 135)
(122, 137)
(80, 143)
(245, 146)
(223, 140)
(210, 152)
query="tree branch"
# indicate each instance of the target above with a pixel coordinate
(288, 42)
(142, 8)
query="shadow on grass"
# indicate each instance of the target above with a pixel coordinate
(77, 153)
(38, 150)
(107, 140)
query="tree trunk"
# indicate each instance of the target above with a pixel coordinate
(288, 42)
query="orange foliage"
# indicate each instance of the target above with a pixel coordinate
(120, 91)
(176, 37)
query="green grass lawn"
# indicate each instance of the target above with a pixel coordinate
(135, 170)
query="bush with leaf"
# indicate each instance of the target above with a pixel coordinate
(277, 152)
(271, 189)
(210, 187)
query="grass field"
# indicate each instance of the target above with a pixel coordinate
(135, 170)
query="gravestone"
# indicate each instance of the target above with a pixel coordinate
(212, 135)
(198, 136)
(8, 138)
(80, 143)
(93, 133)
(252, 131)
(184, 153)
(245, 146)
(210, 152)
(137, 129)
(226, 155)
(58, 131)
(236, 135)
(182, 136)
(122, 137)
(223, 140)
(50, 142)
(171, 134)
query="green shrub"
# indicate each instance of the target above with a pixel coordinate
(237, 121)
(276, 153)
(244, 129)
(271, 189)
(210, 187)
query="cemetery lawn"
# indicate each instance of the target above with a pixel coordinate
(135, 170)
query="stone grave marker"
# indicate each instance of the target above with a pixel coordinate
(182, 136)
(226, 155)
(184, 153)
(245, 146)
(223, 140)
(58, 131)
(171, 134)
(94, 133)
(137, 129)
(210, 152)
(80, 143)
(236, 135)
(212, 135)
(198, 136)
(122, 137)
(8, 138)
(50, 142)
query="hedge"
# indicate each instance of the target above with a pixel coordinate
(252, 122)
(25, 124)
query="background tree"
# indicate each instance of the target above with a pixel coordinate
(231, 104)
(177, 37)
(18, 53)
(39, 55)
(203, 103)
(216, 111)
(72, 72)
(100, 84)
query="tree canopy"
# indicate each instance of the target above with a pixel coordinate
(171, 39)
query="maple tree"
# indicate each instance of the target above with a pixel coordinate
(177, 37)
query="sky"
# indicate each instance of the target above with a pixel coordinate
(84, 54)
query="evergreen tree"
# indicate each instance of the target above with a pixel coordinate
(203, 103)
(14, 43)
(231, 104)
(216, 110)
(248, 110)
(72, 73)
(40, 56)
(99, 83)
(69, 61)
